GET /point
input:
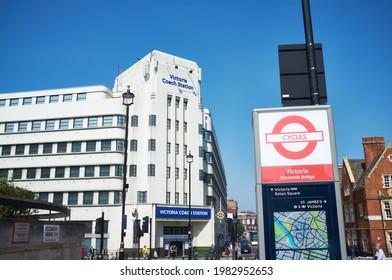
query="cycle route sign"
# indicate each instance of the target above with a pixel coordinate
(295, 146)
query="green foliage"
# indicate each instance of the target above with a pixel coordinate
(240, 229)
(8, 188)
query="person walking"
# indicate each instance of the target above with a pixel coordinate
(145, 252)
(352, 250)
(379, 253)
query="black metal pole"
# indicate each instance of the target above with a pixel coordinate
(190, 219)
(102, 234)
(310, 53)
(149, 256)
(122, 253)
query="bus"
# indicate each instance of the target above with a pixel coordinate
(253, 237)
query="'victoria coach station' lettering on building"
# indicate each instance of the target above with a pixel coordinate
(182, 213)
(177, 81)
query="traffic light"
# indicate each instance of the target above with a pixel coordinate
(99, 225)
(136, 230)
(146, 220)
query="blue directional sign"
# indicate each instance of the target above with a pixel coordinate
(301, 221)
(182, 213)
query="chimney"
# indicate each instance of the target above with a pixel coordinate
(372, 147)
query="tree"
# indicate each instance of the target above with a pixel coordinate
(8, 188)
(240, 229)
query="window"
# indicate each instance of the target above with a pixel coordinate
(81, 96)
(177, 102)
(31, 173)
(207, 135)
(185, 104)
(58, 198)
(73, 198)
(387, 210)
(106, 145)
(2, 102)
(89, 171)
(22, 126)
(40, 100)
(119, 145)
(169, 99)
(168, 124)
(107, 121)
(117, 197)
(88, 197)
(120, 120)
(45, 172)
(48, 148)
(104, 170)
(207, 156)
(142, 197)
(167, 197)
(387, 181)
(9, 127)
(103, 198)
(64, 123)
(168, 148)
(67, 97)
(177, 173)
(76, 147)
(177, 125)
(14, 102)
(168, 170)
(185, 127)
(152, 120)
(49, 125)
(4, 173)
(78, 123)
(134, 121)
(151, 170)
(74, 171)
(177, 198)
(62, 147)
(93, 122)
(133, 145)
(43, 196)
(133, 170)
(6, 151)
(151, 144)
(60, 172)
(185, 198)
(118, 170)
(33, 149)
(17, 173)
(201, 129)
(20, 150)
(53, 99)
(36, 126)
(91, 146)
(27, 101)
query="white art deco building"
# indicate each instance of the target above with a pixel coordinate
(67, 145)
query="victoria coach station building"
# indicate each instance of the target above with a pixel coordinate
(68, 146)
(172, 228)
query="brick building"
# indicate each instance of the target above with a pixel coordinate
(367, 197)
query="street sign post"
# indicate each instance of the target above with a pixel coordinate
(297, 184)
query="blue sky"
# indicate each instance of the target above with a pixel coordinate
(47, 44)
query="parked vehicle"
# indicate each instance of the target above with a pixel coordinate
(245, 246)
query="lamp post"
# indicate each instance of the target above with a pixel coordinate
(189, 160)
(127, 101)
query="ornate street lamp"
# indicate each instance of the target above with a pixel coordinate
(189, 160)
(127, 101)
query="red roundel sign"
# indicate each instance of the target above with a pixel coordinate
(282, 140)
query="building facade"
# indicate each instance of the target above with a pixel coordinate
(367, 197)
(67, 145)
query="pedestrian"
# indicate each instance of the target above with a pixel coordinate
(352, 250)
(172, 251)
(91, 253)
(212, 251)
(379, 253)
(145, 252)
(227, 250)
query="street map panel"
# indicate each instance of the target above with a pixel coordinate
(301, 235)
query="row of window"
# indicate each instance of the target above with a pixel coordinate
(43, 99)
(349, 212)
(67, 123)
(100, 197)
(62, 147)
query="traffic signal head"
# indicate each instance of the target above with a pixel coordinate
(99, 225)
(146, 221)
